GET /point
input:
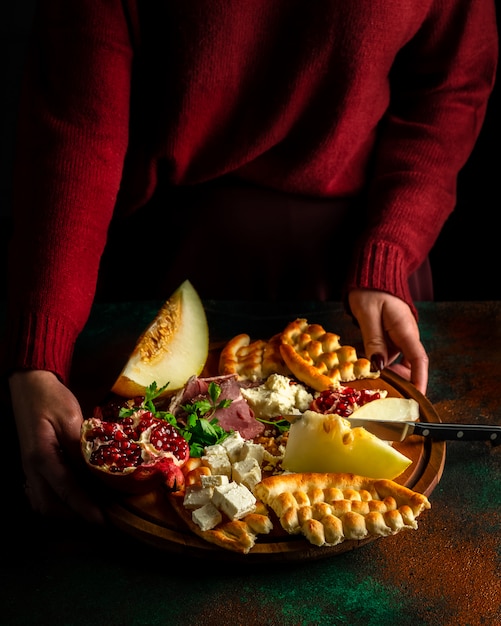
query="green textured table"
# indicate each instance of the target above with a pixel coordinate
(447, 573)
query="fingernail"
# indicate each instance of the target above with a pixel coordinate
(377, 362)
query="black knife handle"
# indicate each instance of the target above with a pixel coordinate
(459, 432)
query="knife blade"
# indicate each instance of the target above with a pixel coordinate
(392, 430)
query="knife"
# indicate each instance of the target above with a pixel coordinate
(392, 430)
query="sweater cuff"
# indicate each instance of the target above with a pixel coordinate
(382, 267)
(35, 341)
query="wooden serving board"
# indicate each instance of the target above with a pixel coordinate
(151, 519)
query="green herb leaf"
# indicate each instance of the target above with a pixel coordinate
(282, 425)
(200, 430)
(208, 406)
(151, 393)
(214, 391)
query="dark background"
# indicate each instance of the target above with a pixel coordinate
(466, 259)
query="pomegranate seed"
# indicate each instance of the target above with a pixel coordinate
(342, 401)
(165, 437)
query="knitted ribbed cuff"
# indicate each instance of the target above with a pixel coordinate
(35, 341)
(381, 266)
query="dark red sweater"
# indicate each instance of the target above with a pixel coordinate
(316, 98)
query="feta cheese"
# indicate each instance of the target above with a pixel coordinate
(277, 396)
(214, 480)
(207, 516)
(217, 448)
(252, 450)
(234, 500)
(233, 445)
(196, 496)
(217, 460)
(247, 472)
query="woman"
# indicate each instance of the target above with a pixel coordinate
(260, 149)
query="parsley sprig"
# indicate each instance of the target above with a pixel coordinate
(282, 425)
(152, 392)
(201, 428)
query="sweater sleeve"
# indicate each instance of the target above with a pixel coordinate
(72, 138)
(440, 86)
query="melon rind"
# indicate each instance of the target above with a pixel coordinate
(183, 352)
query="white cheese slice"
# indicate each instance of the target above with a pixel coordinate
(252, 450)
(233, 445)
(247, 472)
(196, 496)
(234, 500)
(217, 460)
(207, 516)
(214, 480)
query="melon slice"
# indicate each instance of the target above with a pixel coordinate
(173, 347)
(327, 443)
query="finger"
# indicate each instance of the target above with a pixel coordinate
(402, 370)
(375, 347)
(419, 372)
(45, 502)
(414, 370)
(61, 488)
(77, 500)
(42, 498)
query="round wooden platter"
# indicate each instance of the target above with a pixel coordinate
(151, 519)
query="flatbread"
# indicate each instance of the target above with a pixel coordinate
(327, 508)
(316, 358)
(304, 351)
(235, 535)
(254, 360)
(331, 508)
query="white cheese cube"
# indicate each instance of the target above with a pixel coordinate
(214, 480)
(217, 448)
(196, 496)
(252, 450)
(234, 500)
(247, 472)
(207, 516)
(233, 445)
(217, 461)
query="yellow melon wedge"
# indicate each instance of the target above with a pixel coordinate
(173, 347)
(327, 443)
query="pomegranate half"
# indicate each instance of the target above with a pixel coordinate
(136, 453)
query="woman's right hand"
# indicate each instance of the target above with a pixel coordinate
(48, 420)
(389, 329)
